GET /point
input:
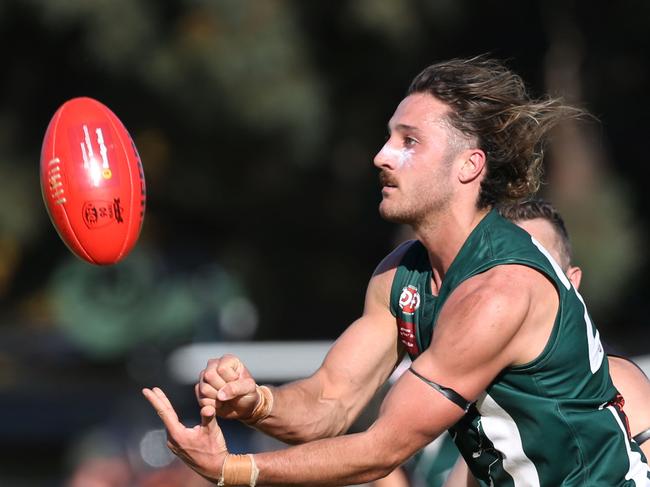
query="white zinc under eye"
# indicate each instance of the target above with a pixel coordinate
(402, 156)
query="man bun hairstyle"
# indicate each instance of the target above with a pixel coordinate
(489, 105)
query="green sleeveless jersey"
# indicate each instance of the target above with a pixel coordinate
(556, 421)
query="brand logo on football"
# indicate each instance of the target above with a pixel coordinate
(97, 214)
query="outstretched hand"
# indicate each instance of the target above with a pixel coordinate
(203, 447)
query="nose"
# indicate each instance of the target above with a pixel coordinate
(382, 159)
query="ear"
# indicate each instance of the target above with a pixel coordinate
(575, 276)
(473, 165)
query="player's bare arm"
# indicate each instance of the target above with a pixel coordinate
(481, 330)
(500, 318)
(634, 386)
(326, 403)
(460, 476)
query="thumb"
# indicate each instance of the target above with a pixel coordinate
(236, 389)
(210, 427)
(208, 419)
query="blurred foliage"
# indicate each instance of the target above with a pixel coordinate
(205, 58)
(257, 123)
(111, 312)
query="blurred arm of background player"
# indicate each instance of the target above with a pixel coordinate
(326, 403)
(634, 386)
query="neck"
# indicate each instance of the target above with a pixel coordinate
(444, 237)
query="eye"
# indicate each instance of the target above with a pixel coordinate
(409, 141)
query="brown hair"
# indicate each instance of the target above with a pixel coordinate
(490, 105)
(539, 208)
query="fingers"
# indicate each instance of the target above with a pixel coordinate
(207, 398)
(164, 408)
(207, 391)
(210, 380)
(236, 389)
(200, 447)
(223, 379)
(219, 371)
(230, 368)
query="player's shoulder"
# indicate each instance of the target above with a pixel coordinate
(505, 280)
(506, 293)
(626, 369)
(381, 281)
(498, 288)
(389, 264)
(499, 310)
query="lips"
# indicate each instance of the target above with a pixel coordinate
(386, 181)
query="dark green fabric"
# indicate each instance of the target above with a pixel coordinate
(542, 424)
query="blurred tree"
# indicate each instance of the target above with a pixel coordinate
(256, 121)
(111, 312)
(593, 198)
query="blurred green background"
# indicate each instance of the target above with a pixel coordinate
(257, 122)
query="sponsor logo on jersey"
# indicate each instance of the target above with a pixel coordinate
(409, 300)
(406, 332)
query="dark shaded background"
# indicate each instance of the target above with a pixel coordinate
(257, 122)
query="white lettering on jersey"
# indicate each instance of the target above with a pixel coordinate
(596, 352)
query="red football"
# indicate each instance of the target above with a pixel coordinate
(92, 181)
